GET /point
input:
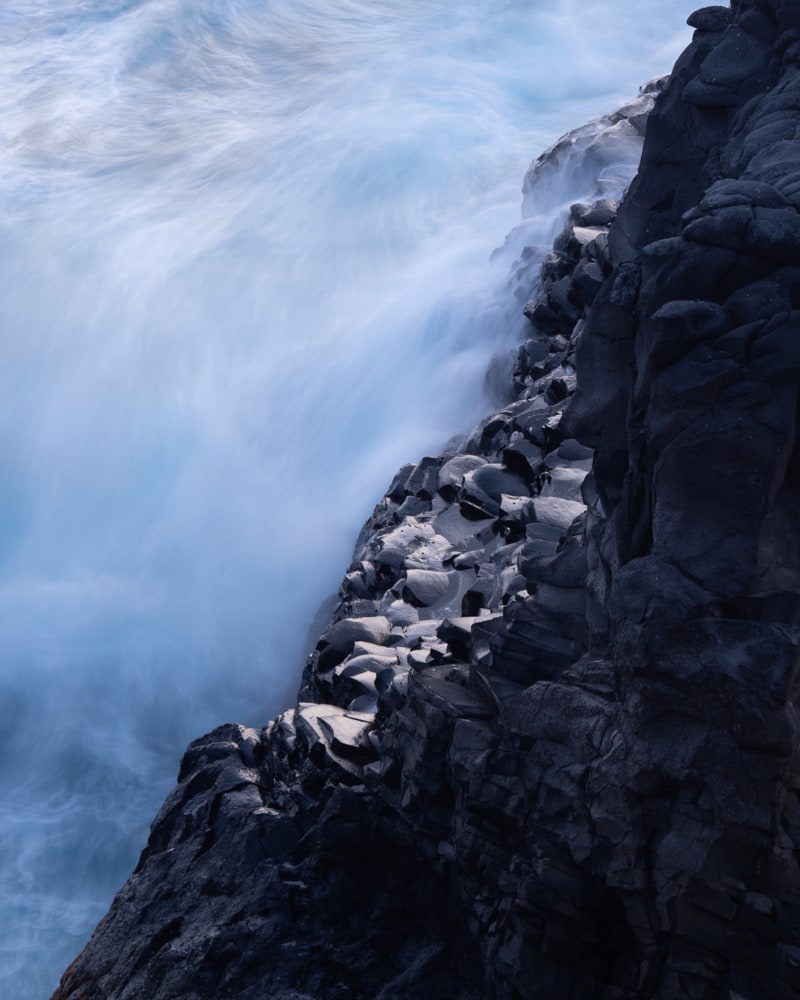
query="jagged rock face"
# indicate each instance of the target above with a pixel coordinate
(549, 745)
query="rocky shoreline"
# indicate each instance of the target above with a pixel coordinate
(548, 745)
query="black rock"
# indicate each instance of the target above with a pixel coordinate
(589, 785)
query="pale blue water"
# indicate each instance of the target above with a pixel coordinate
(244, 275)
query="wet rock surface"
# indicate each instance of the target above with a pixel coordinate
(548, 745)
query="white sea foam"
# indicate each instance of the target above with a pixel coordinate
(244, 276)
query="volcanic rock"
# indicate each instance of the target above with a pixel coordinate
(584, 780)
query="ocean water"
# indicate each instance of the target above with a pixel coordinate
(244, 275)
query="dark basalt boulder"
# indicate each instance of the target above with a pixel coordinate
(549, 745)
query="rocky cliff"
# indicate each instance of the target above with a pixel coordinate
(548, 746)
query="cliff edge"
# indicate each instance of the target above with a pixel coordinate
(549, 744)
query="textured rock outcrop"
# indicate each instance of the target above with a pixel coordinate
(549, 745)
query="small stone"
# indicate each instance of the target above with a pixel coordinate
(565, 483)
(425, 588)
(713, 19)
(400, 613)
(557, 512)
(522, 457)
(451, 475)
(494, 480)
